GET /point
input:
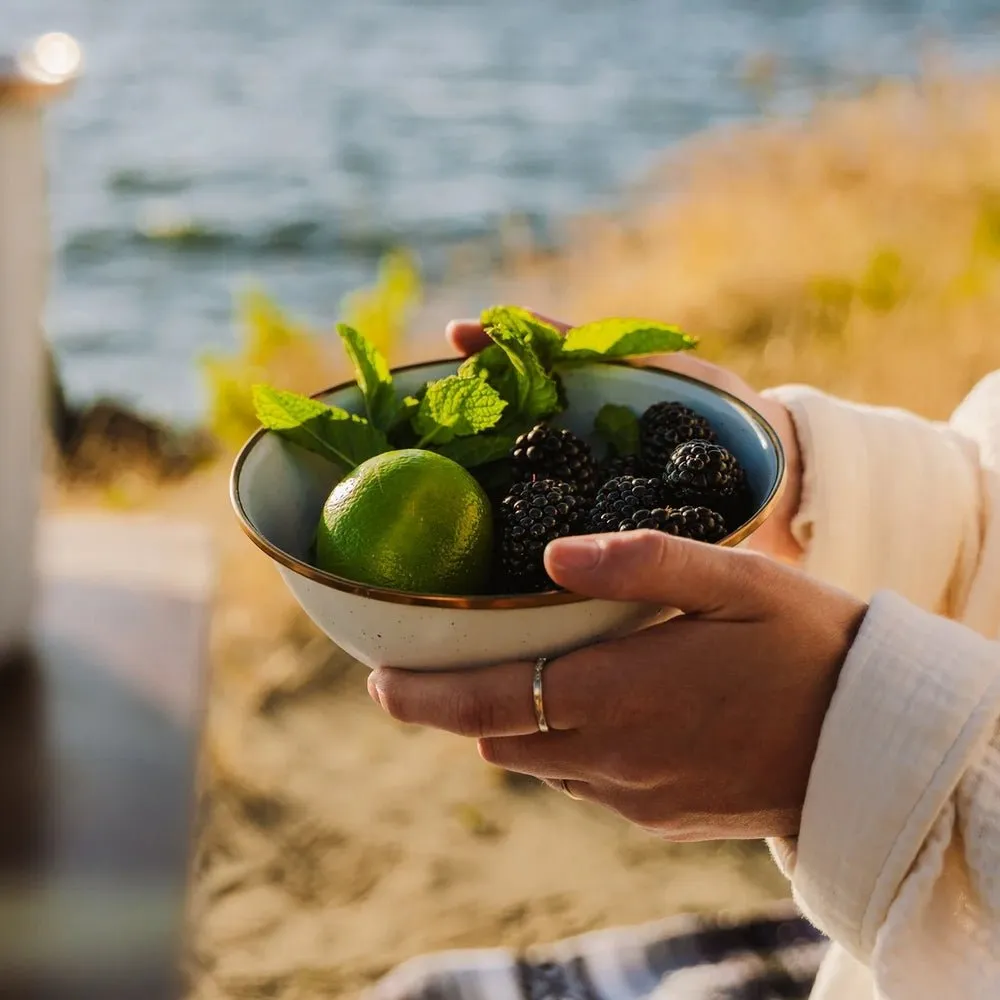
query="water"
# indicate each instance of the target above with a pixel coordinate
(216, 142)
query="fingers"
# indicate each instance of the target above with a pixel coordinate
(490, 701)
(696, 578)
(557, 323)
(703, 371)
(467, 337)
(543, 755)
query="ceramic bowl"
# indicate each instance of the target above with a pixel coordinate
(278, 491)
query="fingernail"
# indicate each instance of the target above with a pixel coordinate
(373, 690)
(575, 553)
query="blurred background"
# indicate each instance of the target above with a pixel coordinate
(812, 188)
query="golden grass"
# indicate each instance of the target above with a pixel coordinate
(857, 251)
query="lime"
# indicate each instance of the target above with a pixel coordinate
(408, 520)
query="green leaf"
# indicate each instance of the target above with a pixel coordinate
(329, 431)
(479, 449)
(543, 338)
(407, 407)
(493, 366)
(537, 394)
(619, 427)
(488, 363)
(374, 379)
(615, 339)
(457, 407)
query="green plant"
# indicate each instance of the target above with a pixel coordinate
(274, 347)
(384, 310)
(475, 416)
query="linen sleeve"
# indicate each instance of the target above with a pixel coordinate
(898, 855)
(889, 501)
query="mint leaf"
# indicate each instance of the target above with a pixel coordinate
(457, 407)
(493, 366)
(479, 449)
(614, 339)
(329, 431)
(374, 378)
(619, 427)
(536, 392)
(543, 338)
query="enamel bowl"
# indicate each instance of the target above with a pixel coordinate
(278, 491)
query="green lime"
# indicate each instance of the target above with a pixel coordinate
(408, 520)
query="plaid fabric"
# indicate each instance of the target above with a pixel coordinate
(773, 957)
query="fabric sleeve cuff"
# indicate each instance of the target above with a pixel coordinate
(917, 699)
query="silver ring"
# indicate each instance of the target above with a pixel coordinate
(536, 694)
(564, 785)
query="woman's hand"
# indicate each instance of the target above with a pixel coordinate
(774, 537)
(701, 728)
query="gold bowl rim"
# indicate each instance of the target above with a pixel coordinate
(484, 601)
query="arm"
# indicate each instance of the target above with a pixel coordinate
(899, 845)
(893, 820)
(898, 853)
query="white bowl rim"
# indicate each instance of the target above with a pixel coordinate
(548, 598)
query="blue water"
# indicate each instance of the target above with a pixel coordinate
(297, 140)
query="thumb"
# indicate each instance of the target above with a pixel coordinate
(693, 577)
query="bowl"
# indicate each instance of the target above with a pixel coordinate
(278, 491)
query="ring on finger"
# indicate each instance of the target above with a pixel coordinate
(564, 785)
(538, 695)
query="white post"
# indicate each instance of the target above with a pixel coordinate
(27, 82)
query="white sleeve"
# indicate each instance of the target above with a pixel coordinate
(889, 501)
(898, 855)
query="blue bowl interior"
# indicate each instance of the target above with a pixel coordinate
(290, 486)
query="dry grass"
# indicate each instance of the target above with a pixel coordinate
(857, 251)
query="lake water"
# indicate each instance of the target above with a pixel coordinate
(292, 142)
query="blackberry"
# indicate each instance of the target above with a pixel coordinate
(699, 523)
(622, 498)
(533, 514)
(554, 453)
(663, 427)
(619, 465)
(701, 472)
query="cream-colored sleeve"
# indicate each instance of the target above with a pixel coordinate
(898, 855)
(889, 501)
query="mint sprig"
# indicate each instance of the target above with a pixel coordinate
(374, 379)
(617, 339)
(473, 417)
(337, 435)
(455, 407)
(543, 338)
(618, 426)
(536, 394)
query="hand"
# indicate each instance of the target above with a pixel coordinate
(701, 728)
(774, 537)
